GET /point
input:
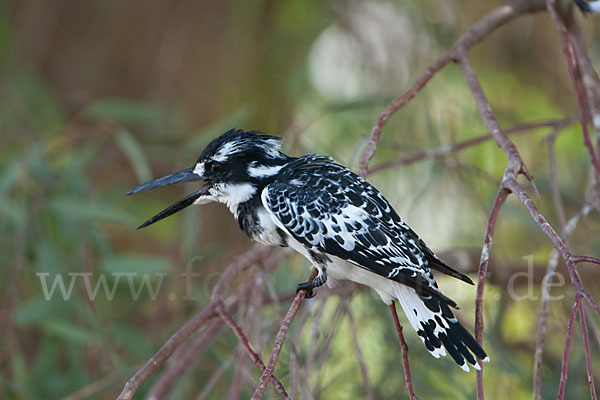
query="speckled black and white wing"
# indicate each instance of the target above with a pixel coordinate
(330, 210)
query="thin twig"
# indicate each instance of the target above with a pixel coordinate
(565, 361)
(181, 361)
(285, 325)
(588, 356)
(586, 259)
(166, 350)
(404, 350)
(568, 229)
(199, 320)
(225, 364)
(551, 142)
(481, 277)
(468, 39)
(577, 83)
(543, 326)
(465, 144)
(251, 352)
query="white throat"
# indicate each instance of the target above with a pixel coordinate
(230, 194)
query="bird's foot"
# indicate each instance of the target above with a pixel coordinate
(308, 287)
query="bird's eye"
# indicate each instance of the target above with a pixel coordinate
(214, 167)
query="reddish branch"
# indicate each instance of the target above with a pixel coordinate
(568, 229)
(404, 348)
(515, 166)
(586, 259)
(183, 359)
(285, 325)
(482, 275)
(576, 79)
(251, 352)
(543, 326)
(192, 326)
(166, 350)
(468, 39)
(459, 146)
(588, 356)
(563, 370)
(558, 204)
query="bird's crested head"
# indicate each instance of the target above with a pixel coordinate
(239, 156)
(234, 167)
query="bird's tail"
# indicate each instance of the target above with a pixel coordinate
(436, 325)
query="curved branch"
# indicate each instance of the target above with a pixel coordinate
(468, 39)
(198, 321)
(586, 259)
(577, 82)
(181, 361)
(465, 144)
(251, 352)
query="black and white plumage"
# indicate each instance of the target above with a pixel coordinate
(337, 220)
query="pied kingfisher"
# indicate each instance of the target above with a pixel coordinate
(333, 217)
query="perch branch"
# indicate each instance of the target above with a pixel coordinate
(404, 349)
(285, 325)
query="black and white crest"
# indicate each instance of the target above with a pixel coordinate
(236, 143)
(337, 220)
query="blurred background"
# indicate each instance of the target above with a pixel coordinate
(99, 96)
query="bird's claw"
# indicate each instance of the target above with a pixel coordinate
(308, 287)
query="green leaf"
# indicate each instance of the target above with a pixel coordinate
(134, 153)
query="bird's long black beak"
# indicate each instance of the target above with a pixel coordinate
(187, 175)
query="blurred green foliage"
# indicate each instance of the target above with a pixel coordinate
(96, 97)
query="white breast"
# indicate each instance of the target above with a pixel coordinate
(269, 235)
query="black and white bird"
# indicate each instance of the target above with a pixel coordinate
(334, 218)
(588, 6)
